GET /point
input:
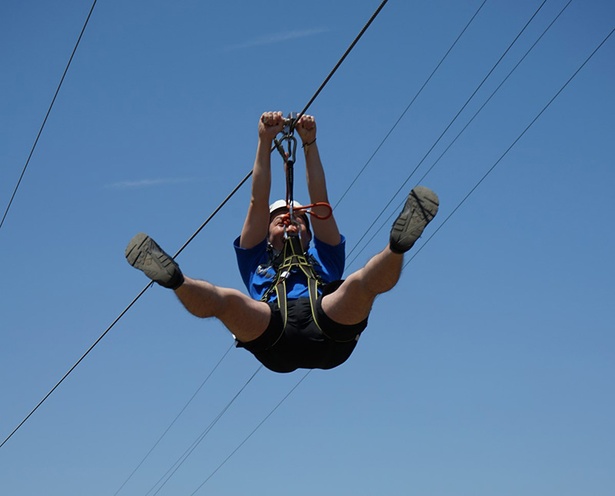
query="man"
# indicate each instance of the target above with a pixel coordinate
(301, 331)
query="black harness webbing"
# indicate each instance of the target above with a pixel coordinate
(292, 256)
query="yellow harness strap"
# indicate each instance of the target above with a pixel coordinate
(294, 256)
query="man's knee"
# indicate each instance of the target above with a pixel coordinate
(246, 318)
(359, 287)
(350, 303)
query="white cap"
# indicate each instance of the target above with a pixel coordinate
(278, 204)
(281, 204)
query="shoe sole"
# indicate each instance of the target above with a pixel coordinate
(420, 208)
(143, 253)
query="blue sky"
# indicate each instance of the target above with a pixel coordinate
(487, 370)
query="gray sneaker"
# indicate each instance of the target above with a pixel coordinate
(143, 253)
(420, 208)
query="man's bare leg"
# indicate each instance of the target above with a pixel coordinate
(353, 300)
(246, 318)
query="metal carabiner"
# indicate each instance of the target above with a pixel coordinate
(290, 155)
(288, 135)
(289, 123)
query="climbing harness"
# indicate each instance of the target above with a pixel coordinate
(292, 258)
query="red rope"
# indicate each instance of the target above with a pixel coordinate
(306, 210)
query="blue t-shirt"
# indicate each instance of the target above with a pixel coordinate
(257, 271)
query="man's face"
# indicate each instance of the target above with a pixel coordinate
(276, 230)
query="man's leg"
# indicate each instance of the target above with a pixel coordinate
(246, 318)
(353, 300)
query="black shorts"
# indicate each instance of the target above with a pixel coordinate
(303, 344)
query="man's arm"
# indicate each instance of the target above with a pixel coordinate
(256, 225)
(325, 230)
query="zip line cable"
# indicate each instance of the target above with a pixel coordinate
(464, 128)
(186, 243)
(40, 131)
(386, 137)
(497, 162)
(174, 420)
(343, 57)
(403, 185)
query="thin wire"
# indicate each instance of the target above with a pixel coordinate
(497, 162)
(180, 461)
(76, 363)
(341, 60)
(174, 420)
(403, 185)
(464, 128)
(253, 432)
(112, 325)
(350, 186)
(40, 131)
(495, 91)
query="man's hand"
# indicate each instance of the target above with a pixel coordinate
(306, 129)
(269, 125)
